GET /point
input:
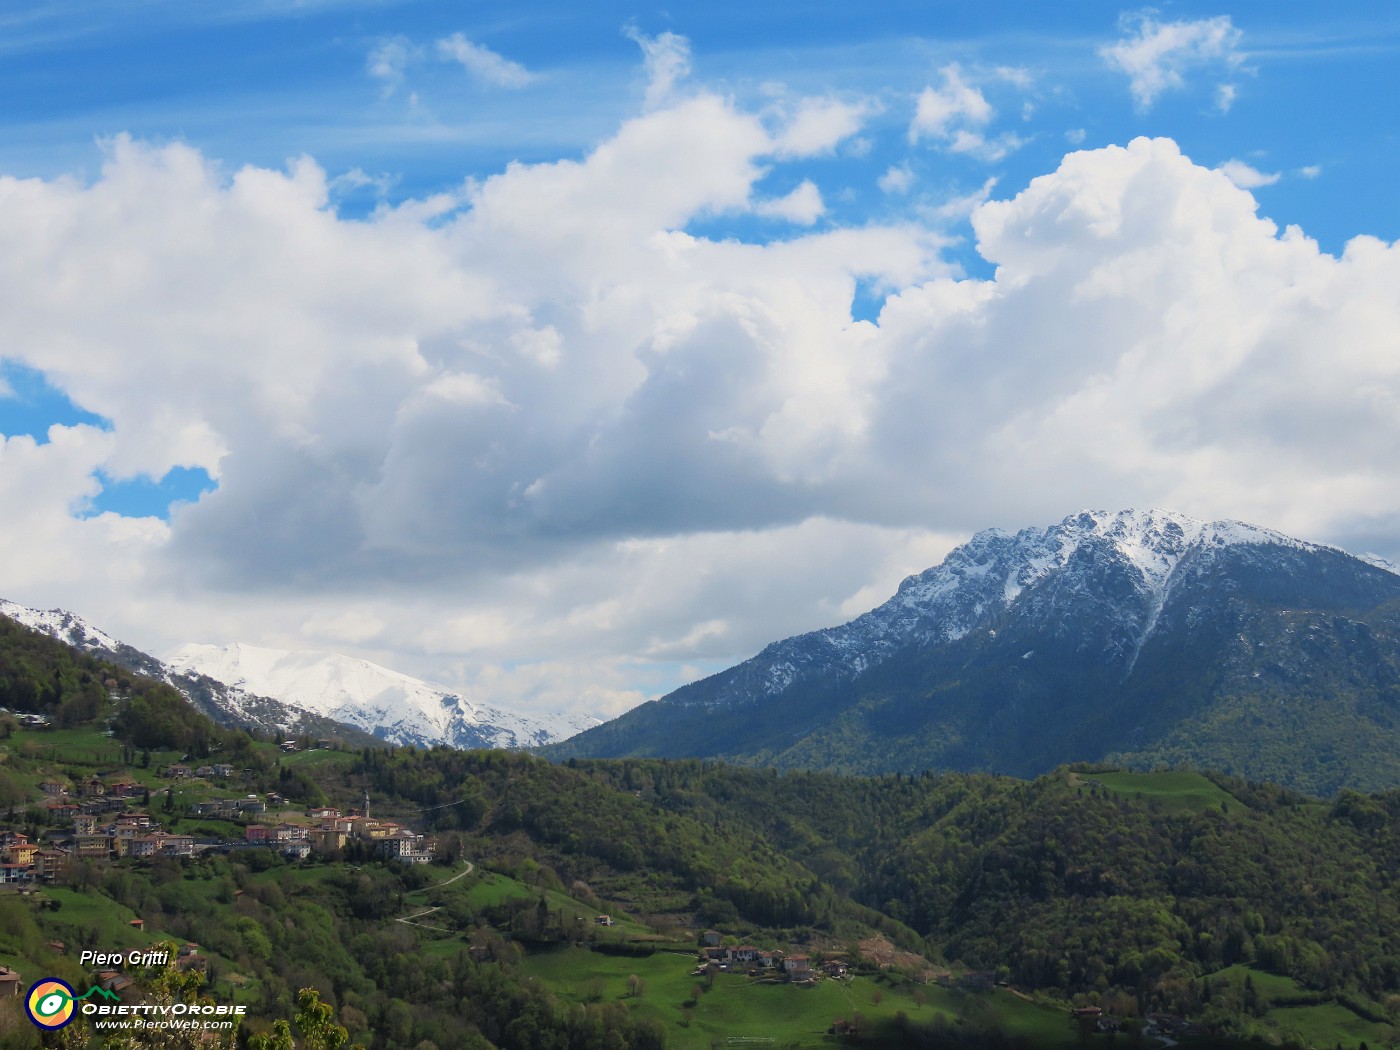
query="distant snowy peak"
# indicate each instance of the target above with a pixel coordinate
(1153, 542)
(311, 693)
(229, 707)
(1144, 551)
(1380, 563)
(386, 703)
(318, 681)
(57, 623)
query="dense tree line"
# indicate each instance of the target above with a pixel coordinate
(1064, 885)
(586, 829)
(1059, 884)
(42, 676)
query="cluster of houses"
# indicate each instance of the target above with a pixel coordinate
(180, 771)
(27, 719)
(92, 795)
(91, 820)
(94, 824)
(91, 835)
(796, 968)
(24, 861)
(329, 831)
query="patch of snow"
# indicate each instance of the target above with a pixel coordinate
(780, 676)
(1380, 563)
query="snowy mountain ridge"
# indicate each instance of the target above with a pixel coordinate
(391, 705)
(986, 575)
(62, 625)
(316, 693)
(212, 698)
(1128, 637)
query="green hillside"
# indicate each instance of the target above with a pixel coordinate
(565, 904)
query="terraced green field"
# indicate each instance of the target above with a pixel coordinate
(1326, 1024)
(1320, 1023)
(318, 758)
(739, 1010)
(1176, 790)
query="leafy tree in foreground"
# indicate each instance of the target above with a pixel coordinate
(314, 1022)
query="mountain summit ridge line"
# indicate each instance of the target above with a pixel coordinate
(1138, 635)
(356, 699)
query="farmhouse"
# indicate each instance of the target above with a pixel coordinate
(798, 967)
(10, 982)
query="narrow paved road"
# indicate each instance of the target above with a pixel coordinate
(469, 869)
(408, 920)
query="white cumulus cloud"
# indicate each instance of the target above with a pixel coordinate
(803, 205)
(820, 125)
(1247, 177)
(956, 114)
(542, 441)
(482, 63)
(954, 105)
(1156, 56)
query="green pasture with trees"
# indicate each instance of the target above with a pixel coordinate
(1250, 911)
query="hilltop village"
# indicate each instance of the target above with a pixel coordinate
(96, 818)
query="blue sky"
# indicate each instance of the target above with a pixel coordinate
(259, 82)
(545, 352)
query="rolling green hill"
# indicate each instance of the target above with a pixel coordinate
(1250, 910)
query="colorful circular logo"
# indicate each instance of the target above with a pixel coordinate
(50, 1003)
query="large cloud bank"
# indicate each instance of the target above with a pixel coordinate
(537, 438)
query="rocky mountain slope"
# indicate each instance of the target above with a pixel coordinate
(1142, 635)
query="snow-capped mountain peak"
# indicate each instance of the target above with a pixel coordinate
(391, 705)
(1130, 558)
(1153, 542)
(60, 624)
(1138, 633)
(312, 693)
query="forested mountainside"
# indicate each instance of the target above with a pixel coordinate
(1240, 908)
(1136, 637)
